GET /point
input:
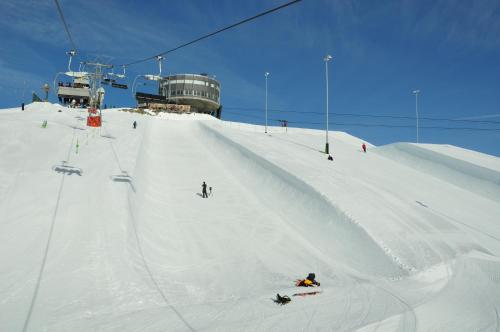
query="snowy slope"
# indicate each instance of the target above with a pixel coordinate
(112, 234)
(470, 170)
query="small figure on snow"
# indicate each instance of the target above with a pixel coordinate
(308, 282)
(134, 124)
(210, 191)
(364, 147)
(282, 300)
(204, 190)
(330, 157)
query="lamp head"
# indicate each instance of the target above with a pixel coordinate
(416, 91)
(266, 74)
(328, 57)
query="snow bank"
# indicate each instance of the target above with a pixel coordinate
(457, 169)
(300, 205)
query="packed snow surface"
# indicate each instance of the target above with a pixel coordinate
(105, 229)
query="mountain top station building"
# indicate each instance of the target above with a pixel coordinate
(200, 92)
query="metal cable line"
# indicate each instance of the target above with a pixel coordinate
(65, 25)
(213, 33)
(412, 127)
(369, 125)
(363, 115)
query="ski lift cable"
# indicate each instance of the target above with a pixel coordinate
(361, 115)
(65, 25)
(369, 124)
(213, 33)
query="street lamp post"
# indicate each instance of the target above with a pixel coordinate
(266, 75)
(416, 92)
(327, 59)
(160, 59)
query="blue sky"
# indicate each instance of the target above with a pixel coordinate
(382, 50)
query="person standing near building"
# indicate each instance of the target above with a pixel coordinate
(204, 190)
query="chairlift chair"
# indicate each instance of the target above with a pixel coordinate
(69, 90)
(119, 76)
(119, 86)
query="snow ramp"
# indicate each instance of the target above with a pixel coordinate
(258, 216)
(451, 165)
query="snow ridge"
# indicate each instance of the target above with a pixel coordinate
(462, 173)
(301, 199)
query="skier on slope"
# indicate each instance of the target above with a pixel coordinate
(134, 124)
(204, 190)
(308, 282)
(364, 147)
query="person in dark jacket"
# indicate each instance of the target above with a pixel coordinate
(364, 147)
(204, 190)
(134, 124)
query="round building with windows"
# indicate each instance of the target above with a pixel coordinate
(199, 91)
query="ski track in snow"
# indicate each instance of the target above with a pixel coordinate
(49, 239)
(131, 246)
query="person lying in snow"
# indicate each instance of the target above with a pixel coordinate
(308, 282)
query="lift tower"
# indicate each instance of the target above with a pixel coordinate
(95, 75)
